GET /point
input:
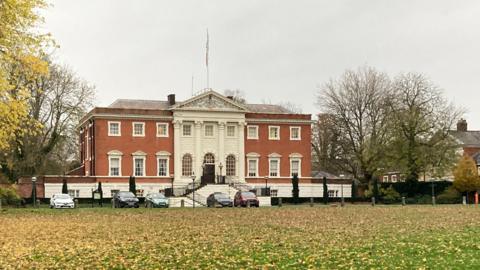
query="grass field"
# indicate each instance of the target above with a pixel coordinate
(359, 237)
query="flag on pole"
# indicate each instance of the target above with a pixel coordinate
(206, 60)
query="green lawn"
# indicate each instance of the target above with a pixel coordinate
(360, 237)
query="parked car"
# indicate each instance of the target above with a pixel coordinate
(219, 199)
(61, 201)
(243, 198)
(123, 199)
(155, 200)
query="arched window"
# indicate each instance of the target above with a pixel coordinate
(187, 165)
(230, 165)
(209, 159)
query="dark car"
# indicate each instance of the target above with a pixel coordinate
(125, 199)
(245, 198)
(219, 199)
(155, 200)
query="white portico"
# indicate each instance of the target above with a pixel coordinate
(209, 138)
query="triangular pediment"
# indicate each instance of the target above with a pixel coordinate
(210, 101)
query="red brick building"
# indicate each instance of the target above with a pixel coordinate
(209, 137)
(468, 141)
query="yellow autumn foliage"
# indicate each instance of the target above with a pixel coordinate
(466, 175)
(352, 237)
(21, 52)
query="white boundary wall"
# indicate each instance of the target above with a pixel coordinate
(85, 190)
(309, 190)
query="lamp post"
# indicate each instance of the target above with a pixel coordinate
(220, 166)
(193, 188)
(342, 199)
(202, 180)
(433, 193)
(34, 191)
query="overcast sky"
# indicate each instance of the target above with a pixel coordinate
(274, 51)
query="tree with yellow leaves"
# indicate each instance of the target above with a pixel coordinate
(21, 53)
(466, 175)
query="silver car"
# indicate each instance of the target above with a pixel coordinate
(61, 201)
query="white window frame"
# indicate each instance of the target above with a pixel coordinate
(394, 178)
(183, 130)
(256, 132)
(270, 167)
(143, 129)
(234, 131)
(385, 179)
(183, 165)
(272, 138)
(119, 128)
(110, 165)
(299, 134)
(299, 166)
(144, 166)
(167, 166)
(166, 129)
(234, 164)
(256, 169)
(205, 130)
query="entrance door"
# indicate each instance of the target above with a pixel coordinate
(208, 174)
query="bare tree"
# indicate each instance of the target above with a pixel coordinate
(56, 104)
(423, 119)
(289, 106)
(292, 107)
(358, 102)
(237, 95)
(326, 145)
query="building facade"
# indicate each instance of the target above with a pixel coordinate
(468, 141)
(210, 138)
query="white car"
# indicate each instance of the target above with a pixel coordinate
(61, 201)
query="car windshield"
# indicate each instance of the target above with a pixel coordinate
(221, 196)
(158, 196)
(62, 196)
(126, 194)
(248, 195)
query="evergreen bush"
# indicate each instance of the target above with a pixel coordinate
(295, 190)
(450, 196)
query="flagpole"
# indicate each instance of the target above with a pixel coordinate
(206, 61)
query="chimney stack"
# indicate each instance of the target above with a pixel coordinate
(171, 99)
(462, 125)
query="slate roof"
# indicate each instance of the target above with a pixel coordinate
(163, 105)
(267, 108)
(467, 138)
(321, 174)
(140, 104)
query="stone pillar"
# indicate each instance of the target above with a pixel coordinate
(198, 155)
(177, 159)
(221, 147)
(241, 152)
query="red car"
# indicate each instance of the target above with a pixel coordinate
(243, 198)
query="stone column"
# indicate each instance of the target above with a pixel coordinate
(198, 150)
(221, 146)
(177, 159)
(241, 152)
